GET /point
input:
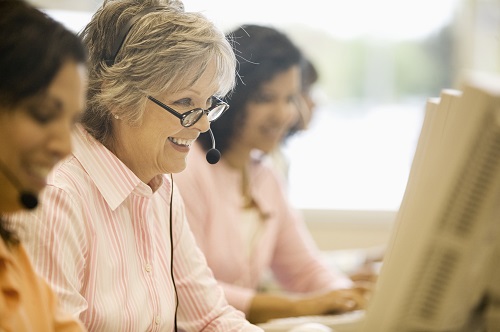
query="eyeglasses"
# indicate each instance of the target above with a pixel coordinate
(189, 118)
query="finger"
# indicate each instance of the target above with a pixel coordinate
(347, 300)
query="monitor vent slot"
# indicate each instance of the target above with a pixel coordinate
(430, 290)
(469, 192)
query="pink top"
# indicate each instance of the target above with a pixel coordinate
(101, 237)
(214, 211)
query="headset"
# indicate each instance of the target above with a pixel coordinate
(28, 199)
(213, 155)
(110, 61)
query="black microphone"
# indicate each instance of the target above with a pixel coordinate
(27, 199)
(213, 155)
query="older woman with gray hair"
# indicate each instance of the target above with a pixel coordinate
(114, 241)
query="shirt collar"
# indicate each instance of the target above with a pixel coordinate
(114, 180)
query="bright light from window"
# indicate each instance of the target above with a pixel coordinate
(391, 19)
(73, 20)
(386, 19)
(354, 162)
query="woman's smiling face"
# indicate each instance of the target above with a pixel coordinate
(35, 134)
(271, 112)
(160, 144)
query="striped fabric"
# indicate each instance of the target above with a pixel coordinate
(101, 238)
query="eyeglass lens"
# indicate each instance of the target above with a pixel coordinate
(216, 112)
(212, 115)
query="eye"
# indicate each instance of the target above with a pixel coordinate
(262, 98)
(185, 103)
(43, 115)
(293, 99)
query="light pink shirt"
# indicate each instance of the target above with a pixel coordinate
(101, 238)
(214, 209)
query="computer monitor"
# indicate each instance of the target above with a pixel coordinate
(441, 270)
(442, 258)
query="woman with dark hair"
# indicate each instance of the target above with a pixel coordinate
(42, 93)
(237, 208)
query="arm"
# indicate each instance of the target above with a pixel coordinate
(55, 240)
(270, 306)
(296, 261)
(62, 321)
(297, 266)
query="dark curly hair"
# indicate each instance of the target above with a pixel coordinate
(33, 48)
(262, 52)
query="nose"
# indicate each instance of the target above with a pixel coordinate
(286, 112)
(60, 140)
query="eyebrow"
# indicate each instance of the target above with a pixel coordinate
(46, 105)
(46, 100)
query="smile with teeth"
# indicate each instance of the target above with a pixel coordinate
(181, 141)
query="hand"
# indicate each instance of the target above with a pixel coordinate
(266, 306)
(337, 301)
(367, 272)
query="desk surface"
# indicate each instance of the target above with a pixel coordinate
(348, 322)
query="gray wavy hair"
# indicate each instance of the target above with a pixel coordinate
(165, 51)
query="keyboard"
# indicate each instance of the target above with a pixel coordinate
(346, 322)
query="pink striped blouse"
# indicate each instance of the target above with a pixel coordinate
(101, 238)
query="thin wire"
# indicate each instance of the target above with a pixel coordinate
(172, 252)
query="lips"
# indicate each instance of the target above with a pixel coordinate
(181, 141)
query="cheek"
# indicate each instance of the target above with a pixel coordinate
(148, 146)
(256, 118)
(293, 116)
(27, 139)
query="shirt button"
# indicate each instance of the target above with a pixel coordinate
(157, 320)
(148, 268)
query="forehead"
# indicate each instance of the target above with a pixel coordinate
(201, 83)
(284, 80)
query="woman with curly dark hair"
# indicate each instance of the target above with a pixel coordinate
(238, 210)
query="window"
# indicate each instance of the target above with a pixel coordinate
(378, 61)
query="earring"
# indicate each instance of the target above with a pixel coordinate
(116, 117)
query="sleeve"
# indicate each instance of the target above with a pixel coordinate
(202, 305)
(54, 237)
(297, 262)
(239, 297)
(63, 321)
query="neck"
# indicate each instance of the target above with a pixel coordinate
(237, 157)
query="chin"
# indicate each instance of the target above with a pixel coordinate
(269, 149)
(177, 168)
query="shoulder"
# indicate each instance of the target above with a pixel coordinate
(68, 173)
(263, 171)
